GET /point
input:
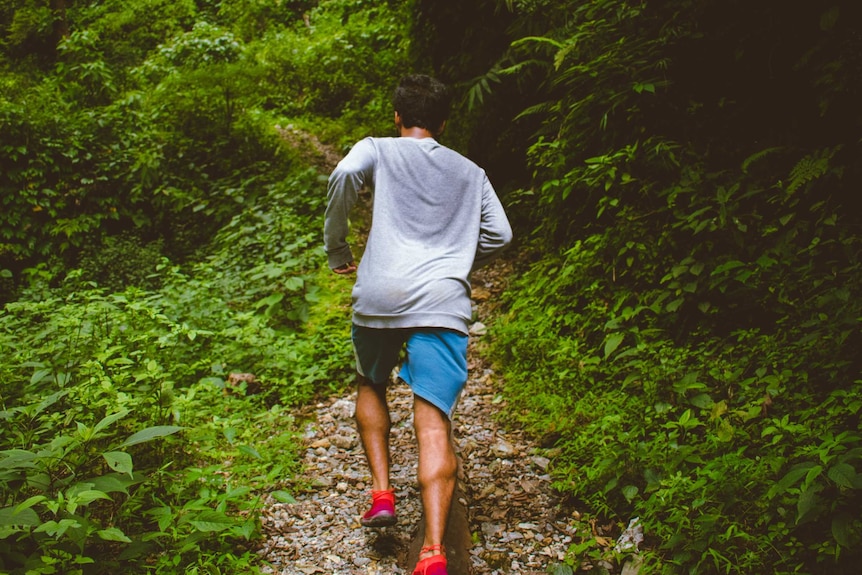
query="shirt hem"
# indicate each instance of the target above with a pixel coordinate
(456, 323)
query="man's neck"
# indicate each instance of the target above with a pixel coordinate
(416, 132)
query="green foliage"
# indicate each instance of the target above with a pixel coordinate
(128, 31)
(156, 120)
(97, 381)
(344, 63)
(692, 312)
(159, 236)
(28, 27)
(648, 426)
(122, 261)
(254, 18)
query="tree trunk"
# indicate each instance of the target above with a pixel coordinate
(61, 24)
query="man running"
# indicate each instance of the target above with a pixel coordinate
(435, 219)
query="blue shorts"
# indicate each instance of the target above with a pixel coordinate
(434, 364)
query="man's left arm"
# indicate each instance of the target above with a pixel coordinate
(495, 232)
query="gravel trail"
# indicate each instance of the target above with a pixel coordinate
(517, 522)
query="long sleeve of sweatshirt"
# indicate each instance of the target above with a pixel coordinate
(435, 218)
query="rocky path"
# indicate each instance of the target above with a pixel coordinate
(516, 521)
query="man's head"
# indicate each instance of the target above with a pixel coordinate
(422, 102)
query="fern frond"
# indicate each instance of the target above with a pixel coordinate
(515, 68)
(535, 109)
(810, 168)
(539, 40)
(758, 156)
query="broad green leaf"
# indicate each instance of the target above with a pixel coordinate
(294, 283)
(50, 400)
(283, 497)
(230, 434)
(216, 382)
(613, 342)
(806, 504)
(689, 382)
(718, 409)
(164, 515)
(653, 479)
(39, 375)
(843, 474)
(727, 266)
(686, 415)
(115, 482)
(85, 432)
(246, 530)
(813, 474)
(90, 495)
(793, 476)
(702, 400)
(119, 461)
(150, 433)
(212, 521)
(238, 492)
(725, 431)
(57, 528)
(842, 530)
(9, 516)
(17, 459)
(113, 534)
(29, 502)
(630, 492)
(108, 420)
(270, 300)
(250, 451)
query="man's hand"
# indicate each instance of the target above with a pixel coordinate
(345, 269)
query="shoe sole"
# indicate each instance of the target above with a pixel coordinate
(379, 520)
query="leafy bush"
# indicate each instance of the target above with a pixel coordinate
(128, 31)
(344, 64)
(160, 238)
(91, 375)
(674, 433)
(692, 313)
(122, 261)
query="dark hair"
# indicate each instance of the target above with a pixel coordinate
(422, 102)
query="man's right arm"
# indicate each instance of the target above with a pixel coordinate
(352, 172)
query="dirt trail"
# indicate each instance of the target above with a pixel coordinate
(516, 521)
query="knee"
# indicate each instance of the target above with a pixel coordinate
(372, 410)
(436, 451)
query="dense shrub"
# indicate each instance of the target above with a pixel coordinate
(693, 313)
(119, 410)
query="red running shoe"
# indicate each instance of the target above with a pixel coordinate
(433, 564)
(382, 512)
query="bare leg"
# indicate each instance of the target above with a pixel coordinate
(437, 468)
(372, 419)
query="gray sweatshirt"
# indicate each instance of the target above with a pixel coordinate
(435, 218)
